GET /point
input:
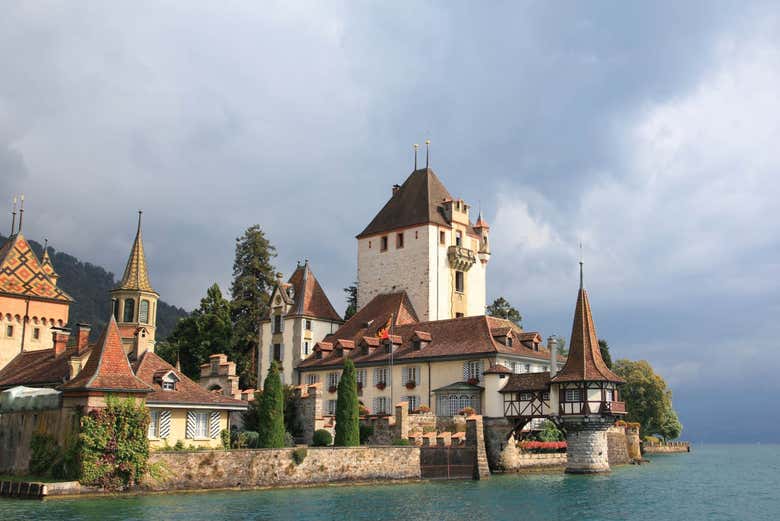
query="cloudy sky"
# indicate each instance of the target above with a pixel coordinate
(650, 133)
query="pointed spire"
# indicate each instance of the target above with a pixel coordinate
(21, 212)
(136, 276)
(46, 263)
(481, 223)
(13, 218)
(584, 362)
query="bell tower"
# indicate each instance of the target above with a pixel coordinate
(134, 301)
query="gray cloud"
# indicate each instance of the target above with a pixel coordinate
(646, 131)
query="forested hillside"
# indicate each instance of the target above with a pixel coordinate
(89, 285)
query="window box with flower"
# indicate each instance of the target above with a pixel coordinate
(473, 381)
(411, 384)
(381, 386)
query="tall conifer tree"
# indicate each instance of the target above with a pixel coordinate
(347, 414)
(253, 280)
(271, 414)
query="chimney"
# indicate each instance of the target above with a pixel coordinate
(552, 345)
(60, 339)
(396, 189)
(82, 336)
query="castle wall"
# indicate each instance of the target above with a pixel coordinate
(17, 429)
(276, 467)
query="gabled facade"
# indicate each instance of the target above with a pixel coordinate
(423, 242)
(301, 315)
(31, 303)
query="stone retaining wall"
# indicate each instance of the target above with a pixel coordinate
(674, 446)
(275, 467)
(617, 446)
(530, 461)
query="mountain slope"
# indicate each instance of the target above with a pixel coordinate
(89, 285)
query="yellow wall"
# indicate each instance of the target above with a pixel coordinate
(179, 431)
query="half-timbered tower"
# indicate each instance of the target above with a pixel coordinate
(586, 392)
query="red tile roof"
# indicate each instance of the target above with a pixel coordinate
(310, 298)
(187, 392)
(497, 369)
(418, 201)
(458, 337)
(527, 382)
(108, 368)
(584, 362)
(38, 368)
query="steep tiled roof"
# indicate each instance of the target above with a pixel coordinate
(584, 362)
(37, 368)
(108, 368)
(457, 337)
(310, 298)
(22, 274)
(136, 276)
(187, 392)
(527, 382)
(416, 202)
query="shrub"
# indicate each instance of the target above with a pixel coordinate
(43, 452)
(421, 409)
(363, 410)
(366, 431)
(224, 436)
(248, 440)
(549, 432)
(289, 441)
(321, 438)
(179, 445)
(347, 422)
(67, 465)
(401, 442)
(299, 454)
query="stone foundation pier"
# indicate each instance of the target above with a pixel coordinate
(587, 448)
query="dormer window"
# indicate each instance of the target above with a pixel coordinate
(167, 379)
(416, 344)
(168, 385)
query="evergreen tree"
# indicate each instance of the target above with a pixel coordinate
(271, 413)
(604, 348)
(207, 331)
(501, 308)
(351, 292)
(253, 279)
(347, 415)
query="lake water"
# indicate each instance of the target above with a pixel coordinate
(727, 482)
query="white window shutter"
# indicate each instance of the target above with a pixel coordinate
(190, 425)
(214, 424)
(165, 423)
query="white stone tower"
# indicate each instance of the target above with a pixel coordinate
(422, 241)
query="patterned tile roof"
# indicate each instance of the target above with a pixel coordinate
(584, 362)
(136, 276)
(108, 368)
(22, 274)
(186, 392)
(418, 201)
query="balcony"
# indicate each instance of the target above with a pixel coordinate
(461, 259)
(579, 408)
(613, 407)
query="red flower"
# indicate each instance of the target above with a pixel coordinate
(411, 384)
(332, 389)
(381, 386)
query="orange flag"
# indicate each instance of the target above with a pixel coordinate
(384, 331)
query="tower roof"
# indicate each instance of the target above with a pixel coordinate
(136, 276)
(310, 298)
(481, 223)
(46, 264)
(584, 362)
(22, 274)
(108, 368)
(417, 201)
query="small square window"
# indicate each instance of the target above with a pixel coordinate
(308, 325)
(399, 241)
(383, 244)
(36, 333)
(9, 331)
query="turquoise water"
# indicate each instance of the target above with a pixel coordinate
(712, 483)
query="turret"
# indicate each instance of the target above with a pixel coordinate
(135, 301)
(483, 230)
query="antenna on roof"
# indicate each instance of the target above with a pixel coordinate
(21, 212)
(13, 218)
(416, 146)
(427, 152)
(581, 283)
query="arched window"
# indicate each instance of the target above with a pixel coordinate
(129, 315)
(143, 312)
